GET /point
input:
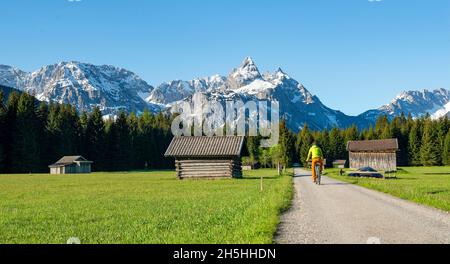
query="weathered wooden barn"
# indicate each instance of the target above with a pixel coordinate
(71, 165)
(378, 154)
(207, 157)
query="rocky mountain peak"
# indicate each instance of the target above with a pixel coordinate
(112, 89)
(245, 74)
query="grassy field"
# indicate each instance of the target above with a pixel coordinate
(425, 185)
(141, 207)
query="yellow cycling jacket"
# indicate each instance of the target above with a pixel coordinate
(314, 152)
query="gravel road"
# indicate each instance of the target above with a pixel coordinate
(341, 213)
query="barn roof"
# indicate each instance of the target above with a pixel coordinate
(202, 147)
(373, 145)
(68, 160)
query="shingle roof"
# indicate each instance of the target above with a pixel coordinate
(198, 147)
(373, 145)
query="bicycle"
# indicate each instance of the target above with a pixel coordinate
(318, 174)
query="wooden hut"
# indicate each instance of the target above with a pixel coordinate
(378, 154)
(207, 157)
(340, 164)
(71, 165)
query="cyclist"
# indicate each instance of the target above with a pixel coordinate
(315, 152)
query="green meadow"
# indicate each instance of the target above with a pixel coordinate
(141, 207)
(425, 185)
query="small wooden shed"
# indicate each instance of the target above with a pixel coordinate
(340, 164)
(71, 165)
(207, 157)
(378, 154)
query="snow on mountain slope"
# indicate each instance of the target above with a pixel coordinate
(11, 77)
(246, 83)
(82, 85)
(444, 111)
(173, 91)
(112, 89)
(416, 103)
(244, 75)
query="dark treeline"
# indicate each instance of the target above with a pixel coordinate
(34, 135)
(422, 141)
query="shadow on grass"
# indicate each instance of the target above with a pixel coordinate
(437, 192)
(399, 178)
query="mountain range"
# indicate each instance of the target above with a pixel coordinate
(113, 89)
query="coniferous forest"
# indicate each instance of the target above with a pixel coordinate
(35, 134)
(422, 142)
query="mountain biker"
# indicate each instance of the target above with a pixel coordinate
(315, 152)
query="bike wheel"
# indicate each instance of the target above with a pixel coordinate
(317, 169)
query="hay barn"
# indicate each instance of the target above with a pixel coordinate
(207, 157)
(378, 154)
(71, 165)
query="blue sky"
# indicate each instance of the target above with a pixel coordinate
(353, 54)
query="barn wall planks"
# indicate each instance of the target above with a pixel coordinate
(72, 169)
(205, 168)
(384, 161)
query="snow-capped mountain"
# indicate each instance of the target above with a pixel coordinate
(177, 90)
(82, 85)
(246, 82)
(12, 77)
(416, 103)
(246, 74)
(112, 89)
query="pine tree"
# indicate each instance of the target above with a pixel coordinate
(322, 140)
(298, 145)
(121, 143)
(429, 152)
(25, 154)
(95, 140)
(370, 134)
(286, 145)
(414, 144)
(53, 129)
(306, 140)
(110, 145)
(351, 134)
(380, 125)
(253, 149)
(43, 143)
(403, 141)
(69, 122)
(337, 145)
(446, 151)
(3, 129)
(133, 125)
(147, 144)
(82, 141)
(442, 128)
(11, 116)
(386, 133)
